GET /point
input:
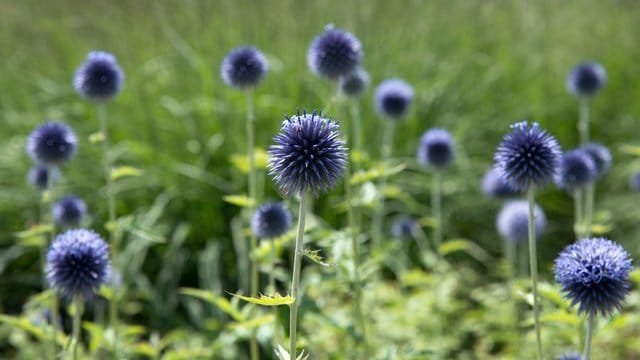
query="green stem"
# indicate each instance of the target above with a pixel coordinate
(578, 204)
(588, 208)
(295, 282)
(46, 218)
(436, 206)
(378, 215)
(533, 262)
(272, 267)
(357, 133)
(587, 343)
(77, 316)
(583, 122)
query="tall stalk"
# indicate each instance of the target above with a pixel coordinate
(77, 316)
(46, 218)
(533, 263)
(589, 190)
(583, 122)
(295, 282)
(578, 210)
(378, 215)
(436, 206)
(587, 343)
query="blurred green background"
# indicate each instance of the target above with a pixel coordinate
(477, 66)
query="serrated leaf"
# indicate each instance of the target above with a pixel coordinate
(125, 171)
(239, 200)
(283, 354)
(314, 255)
(241, 162)
(265, 300)
(375, 173)
(253, 323)
(208, 296)
(96, 137)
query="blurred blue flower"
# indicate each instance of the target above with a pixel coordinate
(594, 274)
(600, 155)
(634, 181)
(494, 185)
(586, 79)
(334, 53)
(271, 220)
(78, 263)
(69, 211)
(52, 144)
(393, 98)
(99, 78)
(576, 170)
(513, 221)
(435, 149)
(41, 176)
(527, 156)
(307, 155)
(243, 67)
(355, 83)
(571, 356)
(404, 228)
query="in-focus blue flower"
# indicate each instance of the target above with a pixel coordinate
(243, 67)
(571, 356)
(355, 83)
(99, 78)
(513, 221)
(435, 149)
(334, 53)
(576, 170)
(494, 185)
(41, 176)
(600, 155)
(594, 274)
(271, 220)
(527, 156)
(634, 181)
(52, 144)
(404, 228)
(307, 155)
(69, 211)
(78, 263)
(393, 98)
(586, 79)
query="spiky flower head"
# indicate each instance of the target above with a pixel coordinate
(271, 220)
(404, 227)
(41, 176)
(243, 67)
(600, 155)
(495, 186)
(69, 211)
(594, 274)
(52, 144)
(634, 181)
(576, 170)
(78, 263)
(571, 356)
(586, 79)
(435, 149)
(393, 98)
(99, 78)
(527, 156)
(513, 221)
(355, 83)
(334, 53)
(307, 155)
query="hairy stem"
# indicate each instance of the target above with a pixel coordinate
(378, 215)
(583, 122)
(77, 316)
(587, 343)
(295, 282)
(533, 263)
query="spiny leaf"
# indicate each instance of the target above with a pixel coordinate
(239, 200)
(265, 300)
(208, 296)
(125, 171)
(283, 354)
(314, 255)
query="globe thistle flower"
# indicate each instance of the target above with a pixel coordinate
(41, 176)
(576, 170)
(99, 78)
(586, 79)
(308, 155)
(243, 68)
(69, 211)
(355, 83)
(52, 144)
(601, 157)
(78, 263)
(435, 149)
(527, 156)
(513, 221)
(393, 98)
(634, 181)
(495, 186)
(404, 227)
(271, 220)
(571, 356)
(334, 53)
(594, 274)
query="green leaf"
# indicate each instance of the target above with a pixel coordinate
(239, 200)
(253, 323)
(40, 332)
(241, 162)
(265, 300)
(375, 173)
(96, 137)
(630, 149)
(35, 236)
(283, 354)
(314, 255)
(125, 171)
(208, 296)
(465, 245)
(144, 348)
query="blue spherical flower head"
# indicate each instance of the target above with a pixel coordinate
(576, 170)
(634, 181)
(393, 98)
(527, 156)
(41, 176)
(243, 68)
(513, 221)
(594, 274)
(69, 211)
(52, 144)
(99, 78)
(571, 356)
(494, 185)
(586, 79)
(308, 155)
(355, 83)
(435, 149)
(334, 53)
(600, 155)
(78, 263)
(271, 220)
(404, 228)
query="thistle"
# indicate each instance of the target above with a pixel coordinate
(52, 144)
(334, 53)
(513, 220)
(576, 171)
(99, 78)
(586, 79)
(495, 185)
(634, 181)
(601, 157)
(243, 68)
(69, 211)
(570, 356)
(355, 83)
(42, 177)
(270, 221)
